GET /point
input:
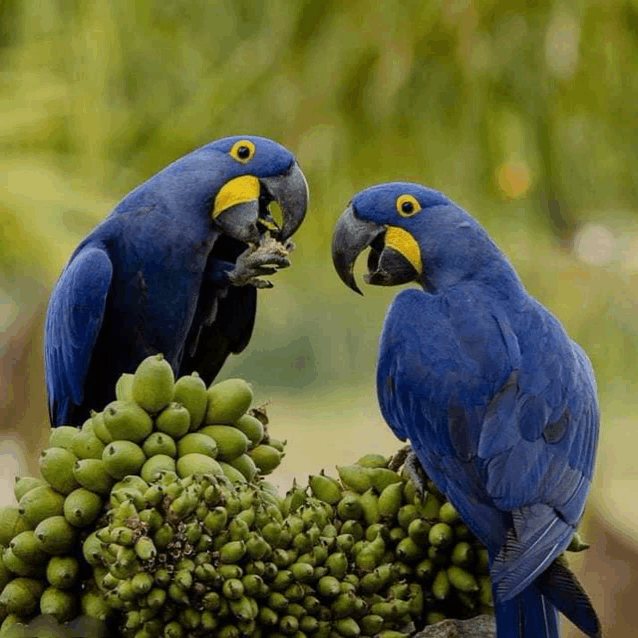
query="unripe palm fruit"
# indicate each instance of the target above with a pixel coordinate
(36, 505)
(373, 460)
(56, 466)
(56, 535)
(231, 473)
(355, 477)
(325, 488)
(173, 420)
(390, 500)
(123, 457)
(62, 436)
(227, 401)
(124, 387)
(252, 427)
(92, 474)
(266, 457)
(159, 443)
(99, 427)
(82, 507)
(190, 391)
(62, 571)
(21, 596)
(197, 463)
(155, 465)
(382, 477)
(153, 383)
(197, 443)
(246, 466)
(58, 603)
(13, 521)
(230, 441)
(86, 445)
(24, 484)
(125, 420)
(27, 547)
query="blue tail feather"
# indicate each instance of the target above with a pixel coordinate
(527, 615)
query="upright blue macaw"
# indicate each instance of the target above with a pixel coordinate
(173, 269)
(499, 405)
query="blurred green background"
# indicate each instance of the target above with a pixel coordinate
(525, 117)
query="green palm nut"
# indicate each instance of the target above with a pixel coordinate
(56, 466)
(462, 532)
(5, 573)
(123, 457)
(82, 507)
(124, 388)
(396, 534)
(325, 488)
(177, 594)
(153, 383)
(190, 391)
(87, 445)
(145, 549)
(163, 536)
(56, 535)
(424, 570)
(408, 551)
(406, 514)
(352, 528)
(21, 596)
(20, 567)
(252, 427)
(462, 554)
(26, 547)
(370, 583)
(266, 457)
(430, 507)
(230, 441)
(62, 571)
(441, 535)
(391, 500)
(246, 466)
(373, 460)
(197, 443)
(370, 504)
(461, 579)
(125, 420)
(371, 624)
(337, 564)
(24, 484)
(232, 473)
(308, 624)
(92, 550)
(159, 443)
(448, 513)
(99, 427)
(227, 401)
(62, 436)
(243, 609)
(216, 520)
(441, 585)
(174, 630)
(347, 627)
(257, 547)
(482, 561)
(355, 477)
(142, 583)
(183, 579)
(382, 477)
(419, 531)
(58, 603)
(288, 625)
(173, 420)
(156, 598)
(195, 463)
(328, 587)
(233, 589)
(485, 590)
(268, 617)
(155, 465)
(121, 535)
(302, 572)
(232, 552)
(93, 475)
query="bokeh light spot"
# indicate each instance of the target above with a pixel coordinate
(514, 178)
(595, 244)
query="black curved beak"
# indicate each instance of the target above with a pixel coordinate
(350, 237)
(290, 191)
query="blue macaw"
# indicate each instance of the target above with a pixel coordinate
(498, 404)
(173, 269)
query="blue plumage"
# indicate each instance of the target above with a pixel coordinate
(161, 274)
(498, 403)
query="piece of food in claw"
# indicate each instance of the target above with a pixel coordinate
(153, 383)
(227, 401)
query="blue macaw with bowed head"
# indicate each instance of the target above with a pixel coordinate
(173, 269)
(497, 402)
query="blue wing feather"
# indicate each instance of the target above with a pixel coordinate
(500, 407)
(74, 317)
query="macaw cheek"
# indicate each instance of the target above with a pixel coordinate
(236, 208)
(389, 268)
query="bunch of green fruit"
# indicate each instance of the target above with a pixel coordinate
(154, 519)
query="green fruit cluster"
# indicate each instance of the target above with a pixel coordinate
(154, 519)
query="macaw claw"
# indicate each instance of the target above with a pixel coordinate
(258, 260)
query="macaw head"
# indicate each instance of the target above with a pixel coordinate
(414, 234)
(258, 171)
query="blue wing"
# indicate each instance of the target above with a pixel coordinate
(500, 407)
(74, 317)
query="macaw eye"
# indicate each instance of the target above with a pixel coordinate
(407, 205)
(242, 151)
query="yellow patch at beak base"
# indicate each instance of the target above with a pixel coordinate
(405, 244)
(236, 191)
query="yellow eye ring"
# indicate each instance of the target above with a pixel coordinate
(407, 205)
(242, 151)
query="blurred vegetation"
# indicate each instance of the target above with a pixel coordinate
(524, 116)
